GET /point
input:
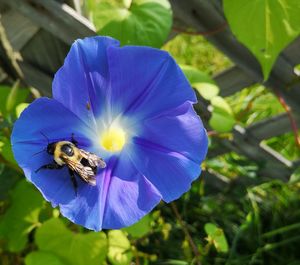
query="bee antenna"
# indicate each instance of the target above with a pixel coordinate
(45, 137)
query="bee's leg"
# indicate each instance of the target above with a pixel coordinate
(73, 140)
(74, 181)
(50, 166)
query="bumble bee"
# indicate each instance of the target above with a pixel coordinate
(78, 161)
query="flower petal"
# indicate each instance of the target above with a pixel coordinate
(82, 82)
(122, 197)
(46, 118)
(145, 81)
(170, 149)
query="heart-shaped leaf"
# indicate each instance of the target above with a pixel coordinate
(264, 26)
(141, 22)
(119, 252)
(217, 237)
(21, 217)
(71, 248)
(195, 76)
(200, 81)
(140, 228)
(222, 119)
(42, 258)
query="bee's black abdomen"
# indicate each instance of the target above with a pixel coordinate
(67, 149)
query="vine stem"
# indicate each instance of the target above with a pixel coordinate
(186, 232)
(9, 164)
(212, 133)
(290, 115)
(203, 33)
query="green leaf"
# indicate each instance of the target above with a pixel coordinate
(140, 228)
(71, 248)
(20, 108)
(222, 119)
(265, 27)
(6, 150)
(201, 82)
(144, 22)
(195, 76)
(42, 258)
(297, 69)
(8, 179)
(10, 97)
(21, 217)
(220, 103)
(207, 90)
(216, 235)
(295, 177)
(4, 92)
(119, 252)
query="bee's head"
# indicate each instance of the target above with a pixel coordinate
(67, 149)
(51, 148)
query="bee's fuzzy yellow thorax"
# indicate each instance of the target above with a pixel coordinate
(58, 153)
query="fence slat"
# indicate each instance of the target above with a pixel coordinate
(59, 19)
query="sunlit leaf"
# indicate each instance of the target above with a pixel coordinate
(119, 252)
(71, 248)
(42, 258)
(216, 235)
(10, 97)
(140, 228)
(222, 119)
(220, 103)
(200, 81)
(141, 22)
(297, 69)
(20, 108)
(264, 26)
(4, 92)
(295, 177)
(196, 76)
(207, 90)
(21, 217)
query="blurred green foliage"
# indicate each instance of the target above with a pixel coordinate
(248, 220)
(197, 52)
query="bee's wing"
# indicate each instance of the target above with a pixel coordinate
(86, 173)
(94, 160)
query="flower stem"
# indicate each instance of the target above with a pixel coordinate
(282, 230)
(290, 115)
(186, 232)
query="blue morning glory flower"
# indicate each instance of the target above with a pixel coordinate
(131, 106)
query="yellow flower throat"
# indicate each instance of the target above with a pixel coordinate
(113, 139)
